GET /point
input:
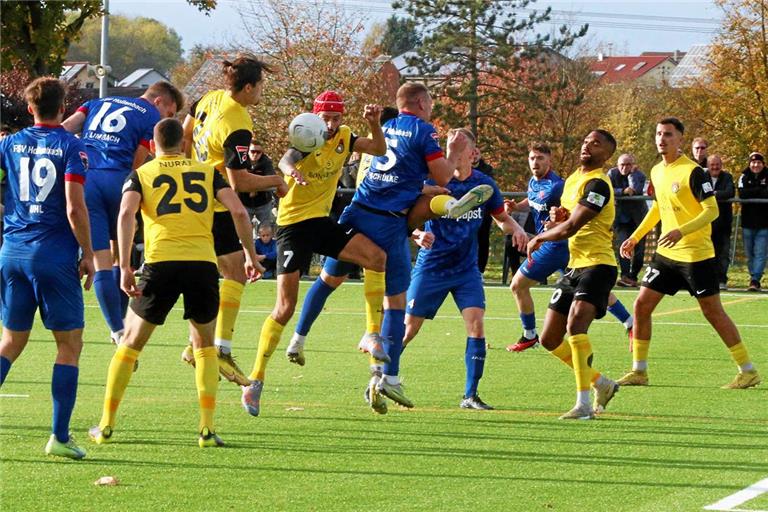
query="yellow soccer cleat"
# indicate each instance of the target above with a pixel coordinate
(634, 378)
(579, 412)
(209, 439)
(100, 435)
(229, 370)
(744, 380)
(603, 394)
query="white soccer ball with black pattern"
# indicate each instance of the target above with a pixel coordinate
(307, 132)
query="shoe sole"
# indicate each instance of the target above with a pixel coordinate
(475, 197)
(395, 398)
(294, 358)
(747, 386)
(377, 355)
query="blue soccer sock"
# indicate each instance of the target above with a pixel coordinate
(393, 330)
(123, 296)
(474, 359)
(529, 324)
(620, 312)
(313, 305)
(64, 393)
(5, 367)
(108, 295)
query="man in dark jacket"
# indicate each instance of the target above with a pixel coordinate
(722, 183)
(753, 184)
(627, 181)
(259, 204)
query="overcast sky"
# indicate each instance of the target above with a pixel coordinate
(629, 26)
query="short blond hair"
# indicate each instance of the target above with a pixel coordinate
(409, 93)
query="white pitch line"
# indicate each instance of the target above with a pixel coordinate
(11, 395)
(728, 503)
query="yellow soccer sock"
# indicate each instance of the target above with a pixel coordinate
(581, 352)
(563, 353)
(268, 342)
(373, 287)
(207, 381)
(640, 354)
(118, 376)
(230, 293)
(740, 356)
(439, 204)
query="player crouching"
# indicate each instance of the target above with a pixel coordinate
(176, 197)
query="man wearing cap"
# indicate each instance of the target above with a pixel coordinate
(753, 184)
(304, 226)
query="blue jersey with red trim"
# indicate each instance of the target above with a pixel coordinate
(543, 194)
(395, 180)
(37, 161)
(114, 127)
(455, 247)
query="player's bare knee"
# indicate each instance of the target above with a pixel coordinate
(377, 260)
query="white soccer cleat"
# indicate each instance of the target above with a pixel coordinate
(373, 343)
(295, 351)
(472, 199)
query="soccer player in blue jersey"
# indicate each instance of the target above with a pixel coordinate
(544, 191)
(449, 265)
(379, 210)
(45, 225)
(116, 131)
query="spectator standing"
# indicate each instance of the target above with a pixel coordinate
(484, 233)
(258, 204)
(699, 148)
(722, 183)
(753, 184)
(628, 180)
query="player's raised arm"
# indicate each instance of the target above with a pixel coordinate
(236, 166)
(229, 199)
(77, 214)
(74, 123)
(187, 142)
(376, 145)
(441, 168)
(288, 163)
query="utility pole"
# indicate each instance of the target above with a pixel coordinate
(102, 71)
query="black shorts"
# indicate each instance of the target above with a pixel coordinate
(297, 242)
(590, 284)
(668, 276)
(225, 239)
(161, 284)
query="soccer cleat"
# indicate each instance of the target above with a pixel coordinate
(251, 398)
(209, 439)
(744, 380)
(472, 199)
(394, 392)
(373, 344)
(295, 352)
(372, 396)
(634, 378)
(68, 449)
(603, 394)
(579, 412)
(100, 435)
(474, 402)
(188, 356)
(523, 344)
(229, 370)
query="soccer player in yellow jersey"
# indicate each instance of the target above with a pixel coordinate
(304, 226)
(176, 196)
(685, 258)
(219, 130)
(581, 295)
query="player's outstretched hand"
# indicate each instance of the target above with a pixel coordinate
(253, 270)
(434, 190)
(627, 248)
(520, 239)
(424, 239)
(510, 206)
(296, 175)
(457, 141)
(372, 114)
(670, 239)
(87, 269)
(128, 283)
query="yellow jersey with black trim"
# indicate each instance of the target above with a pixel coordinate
(221, 133)
(321, 170)
(679, 189)
(593, 242)
(177, 196)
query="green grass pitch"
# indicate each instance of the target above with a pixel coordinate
(681, 444)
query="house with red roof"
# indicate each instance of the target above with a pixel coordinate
(651, 70)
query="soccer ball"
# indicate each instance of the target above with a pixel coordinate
(307, 132)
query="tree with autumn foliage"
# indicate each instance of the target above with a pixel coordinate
(312, 49)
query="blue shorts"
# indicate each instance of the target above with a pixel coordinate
(103, 193)
(26, 285)
(428, 291)
(547, 260)
(388, 232)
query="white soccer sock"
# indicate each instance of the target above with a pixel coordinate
(746, 367)
(629, 322)
(297, 341)
(529, 334)
(639, 366)
(225, 346)
(582, 397)
(391, 379)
